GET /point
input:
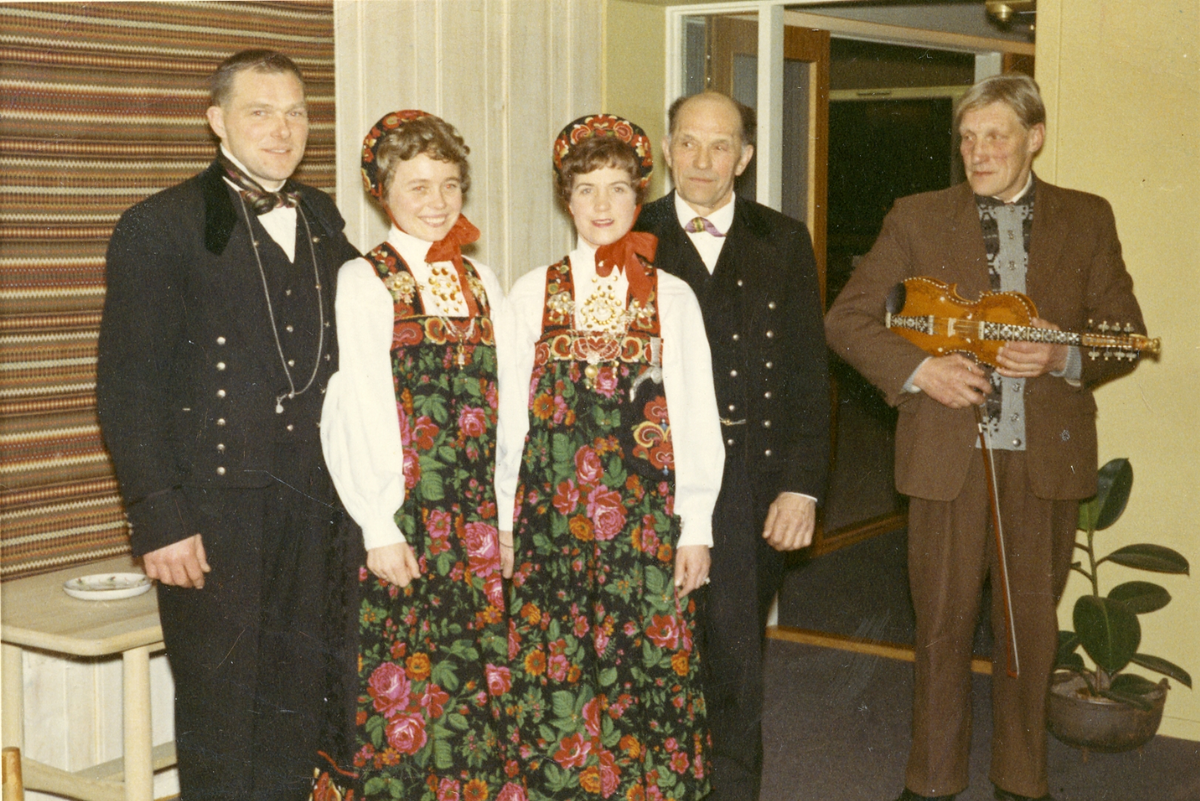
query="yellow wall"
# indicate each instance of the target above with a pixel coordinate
(1122, 88)
(635, 68)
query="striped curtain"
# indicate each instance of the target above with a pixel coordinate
(101, 105)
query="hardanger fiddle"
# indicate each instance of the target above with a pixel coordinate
(934, 317)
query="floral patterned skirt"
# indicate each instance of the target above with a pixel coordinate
(606, 700)
(432, 656)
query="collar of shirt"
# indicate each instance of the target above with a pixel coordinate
(1024, 191)
(274, 186)
(414, 251)
(708, 246)
(722, 218)
(280, 222)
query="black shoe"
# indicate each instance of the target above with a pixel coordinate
(909, 795)
(1005, 795)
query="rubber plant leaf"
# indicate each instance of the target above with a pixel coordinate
(1132, 684)
(1128, 698)
(1113, 483)
(1155, 558)
(1160, 665)
(1110, 633)
(1140, 596)
(1071, 661)
(1068, 641)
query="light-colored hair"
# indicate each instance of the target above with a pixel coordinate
(748, 117)
(431, 136)
(1018, 92)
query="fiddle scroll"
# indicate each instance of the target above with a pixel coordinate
(934, 317)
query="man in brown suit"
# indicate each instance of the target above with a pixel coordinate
(1001, 230)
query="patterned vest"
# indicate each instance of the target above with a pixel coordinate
(645, 428)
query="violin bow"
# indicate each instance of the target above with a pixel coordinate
(989, 469)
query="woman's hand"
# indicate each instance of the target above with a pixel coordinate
(395, 564)
(507, 558)
(691, 568)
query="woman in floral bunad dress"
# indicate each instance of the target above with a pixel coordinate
(613, 463)
(409, 430)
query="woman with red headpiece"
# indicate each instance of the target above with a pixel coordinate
(409, 435)
(609, 469)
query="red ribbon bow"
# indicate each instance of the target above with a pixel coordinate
(623, 254)
(449, 247)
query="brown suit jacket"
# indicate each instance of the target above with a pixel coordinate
(1075, 274)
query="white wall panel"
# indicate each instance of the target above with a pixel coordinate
(507, 73)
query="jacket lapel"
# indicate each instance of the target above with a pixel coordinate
(747, 256)
(676, 253)
(968, 256)
(239, 285)
(220, 217)
(1045, 245)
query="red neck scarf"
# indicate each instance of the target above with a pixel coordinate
(623, 254)
(449, 247)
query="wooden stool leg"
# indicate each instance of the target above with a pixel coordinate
(13, 699)
(139, 773)
(14, 787)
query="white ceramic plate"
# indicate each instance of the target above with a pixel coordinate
(107, 586)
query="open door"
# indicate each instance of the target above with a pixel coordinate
(733, 69)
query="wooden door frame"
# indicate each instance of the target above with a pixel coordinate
(799, 44)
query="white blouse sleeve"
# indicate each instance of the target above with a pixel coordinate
(501, 315)
(360, 423)
(692, 408)
(524, 327)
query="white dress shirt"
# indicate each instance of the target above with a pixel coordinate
(280, 221)
(699, 453)
(360, 423)
(708, 245)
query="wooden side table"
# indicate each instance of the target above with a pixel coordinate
(37, 614)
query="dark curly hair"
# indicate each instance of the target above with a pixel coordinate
(597, 153)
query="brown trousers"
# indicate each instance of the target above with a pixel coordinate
(951, 550)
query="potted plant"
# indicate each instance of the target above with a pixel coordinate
(1103, 708)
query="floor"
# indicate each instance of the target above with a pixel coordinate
(835, 723)
(835, 728)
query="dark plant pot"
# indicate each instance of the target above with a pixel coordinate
(1098, 724)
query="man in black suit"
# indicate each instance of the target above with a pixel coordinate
(755, 276)
(216, 344)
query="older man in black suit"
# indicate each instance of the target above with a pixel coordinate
(754, 272)
(215, 347)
